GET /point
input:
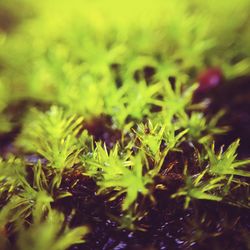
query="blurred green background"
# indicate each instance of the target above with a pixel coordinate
(73, 53)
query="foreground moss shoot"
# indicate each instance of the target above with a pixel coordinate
(107, 139)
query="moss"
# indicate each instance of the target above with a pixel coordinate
(111, 138)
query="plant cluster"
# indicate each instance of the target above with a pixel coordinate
(102, 131)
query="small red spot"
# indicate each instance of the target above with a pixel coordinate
(209, 78)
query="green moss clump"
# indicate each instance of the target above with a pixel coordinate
(101, 138)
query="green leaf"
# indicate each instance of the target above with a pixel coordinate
(121, 173)
(225, 163)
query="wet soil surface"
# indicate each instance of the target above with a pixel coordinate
(101, 129)
(234, 97)
(204, 225)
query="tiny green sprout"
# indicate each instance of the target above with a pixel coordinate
(176, 100)
(12, 174)
(23, 195)
(20, 206)
(140, 97)
(131, 100)
(197, 188)
(196, 124)
(225, 163)
(53, 136)
(151, 136)
(199, 128)
(172, 137)
(123, 174)
(48, 231)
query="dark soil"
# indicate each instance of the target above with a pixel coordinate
(168, 226)
(234, 97)
(101, 129)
